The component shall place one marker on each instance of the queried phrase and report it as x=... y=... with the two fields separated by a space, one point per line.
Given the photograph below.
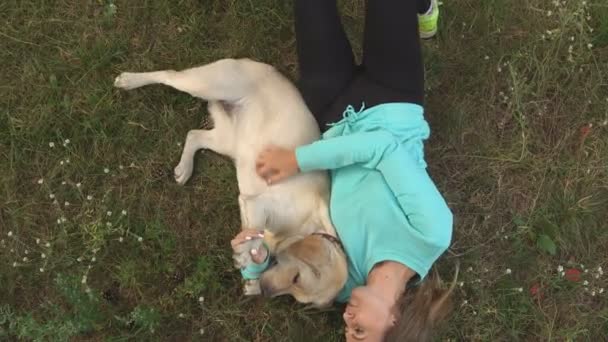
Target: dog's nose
x=266 y=290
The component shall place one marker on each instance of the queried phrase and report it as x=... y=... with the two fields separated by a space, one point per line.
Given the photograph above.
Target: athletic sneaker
x=427 y=23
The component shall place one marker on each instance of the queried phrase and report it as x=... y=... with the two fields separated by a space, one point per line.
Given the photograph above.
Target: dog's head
x=313 y=270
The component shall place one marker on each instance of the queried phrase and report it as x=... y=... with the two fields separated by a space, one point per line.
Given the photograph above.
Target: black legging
x=391 y=71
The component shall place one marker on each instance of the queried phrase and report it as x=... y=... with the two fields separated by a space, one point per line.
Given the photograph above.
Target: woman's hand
x=275 y=164
x=257 y=255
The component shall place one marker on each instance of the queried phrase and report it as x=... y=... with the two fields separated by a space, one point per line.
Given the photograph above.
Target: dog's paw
x=128 y=81
x=241 y=260
x=252 y=287
x=182 y=172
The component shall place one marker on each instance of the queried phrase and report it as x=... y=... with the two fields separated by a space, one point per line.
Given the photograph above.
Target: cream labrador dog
x=253 y=106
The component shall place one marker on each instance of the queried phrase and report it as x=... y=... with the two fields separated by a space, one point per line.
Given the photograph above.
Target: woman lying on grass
x=393 y=222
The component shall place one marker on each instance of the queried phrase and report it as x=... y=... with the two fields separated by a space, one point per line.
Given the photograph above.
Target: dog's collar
x=331 y=238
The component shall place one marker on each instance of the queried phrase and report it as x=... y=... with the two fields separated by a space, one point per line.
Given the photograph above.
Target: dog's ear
x=311 y=250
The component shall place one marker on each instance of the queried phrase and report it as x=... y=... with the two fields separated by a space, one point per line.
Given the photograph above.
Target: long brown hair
x=421 y=308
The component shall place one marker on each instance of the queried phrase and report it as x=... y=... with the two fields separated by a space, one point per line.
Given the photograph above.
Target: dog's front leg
x=253 y=216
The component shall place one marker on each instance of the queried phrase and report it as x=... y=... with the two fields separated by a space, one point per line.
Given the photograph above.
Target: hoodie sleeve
x=333 y=153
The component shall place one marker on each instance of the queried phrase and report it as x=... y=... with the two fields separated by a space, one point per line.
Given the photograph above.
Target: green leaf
x=518 y=221
x=545 y=243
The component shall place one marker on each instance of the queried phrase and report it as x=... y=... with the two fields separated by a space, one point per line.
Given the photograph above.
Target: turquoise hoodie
x=383 y=203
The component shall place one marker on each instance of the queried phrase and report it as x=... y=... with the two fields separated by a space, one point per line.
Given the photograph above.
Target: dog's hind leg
x=227 y=79
x=220 y=139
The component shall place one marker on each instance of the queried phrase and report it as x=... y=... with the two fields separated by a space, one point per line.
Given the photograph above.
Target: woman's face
x=367 y=316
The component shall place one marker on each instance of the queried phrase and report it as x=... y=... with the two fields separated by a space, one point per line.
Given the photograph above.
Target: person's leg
x=325 y=57
x=391 y=48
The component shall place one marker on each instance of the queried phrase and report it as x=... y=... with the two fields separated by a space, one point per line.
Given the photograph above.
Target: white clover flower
x=41 y=270
x=499 y=69
x=84 y=279
x=66 y=203
x=549 y=13
x=51 y=144
x=121 y=167
x=120 y=239
x=10 y=233
x=589 y=46
x=63 y=219
x=560 y=268
x=58 y=221
x=40 y=181
x=181 y=315
x=106 y=170
x=108 y=224
x=132 y=165
x=37 y=241
x=465 y=302
x=486 y=57
x=61 y=162
x=78 y=185
x=140 y=239
x=599 y=270
x=93 y=259
x=123 y=212
x=26 y=252
x=67 y=161
x=109 y=213
x=48 y=244
x=52 y=196
x=64 y=183
x=25 y=259
x=520 y=289
x=601 y=290
x=461 y=284
x=562 y=273
x=470 y=269
x=201 y=299
x=66 y=141
x=508 y=271
x=593 y=293
x=572 y=38
x=89 y=197
x=202 y=331
x=14 y=264
x=43 y=256
x=79 y=259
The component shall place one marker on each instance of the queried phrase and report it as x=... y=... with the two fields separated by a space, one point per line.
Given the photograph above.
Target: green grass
x=507 y=102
